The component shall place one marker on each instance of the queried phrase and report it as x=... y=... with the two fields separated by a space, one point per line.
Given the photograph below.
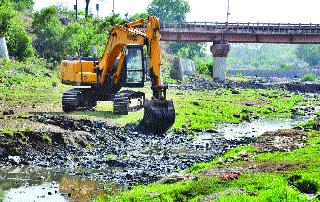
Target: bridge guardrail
x=284 y=28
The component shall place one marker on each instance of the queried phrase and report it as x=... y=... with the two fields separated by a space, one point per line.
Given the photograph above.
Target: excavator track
x=78 y=99
x=123 y=102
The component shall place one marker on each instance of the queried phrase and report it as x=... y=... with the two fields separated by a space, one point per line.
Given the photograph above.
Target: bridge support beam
x=219 y=52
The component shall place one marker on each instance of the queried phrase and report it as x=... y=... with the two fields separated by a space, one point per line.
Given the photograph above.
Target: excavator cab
x=134 y=67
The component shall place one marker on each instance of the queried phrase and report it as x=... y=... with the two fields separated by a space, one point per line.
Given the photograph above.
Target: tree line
x=54 y=33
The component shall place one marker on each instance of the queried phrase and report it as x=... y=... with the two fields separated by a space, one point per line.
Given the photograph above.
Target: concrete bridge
x=221 y=34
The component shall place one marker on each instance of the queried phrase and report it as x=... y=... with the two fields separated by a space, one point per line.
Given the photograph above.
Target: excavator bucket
x=159 y=116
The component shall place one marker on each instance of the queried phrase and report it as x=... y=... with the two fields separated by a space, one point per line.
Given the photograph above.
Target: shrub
x=309 y=77
x=33 y=66
x=285 y=66
x=47 y=139
x=6 y=15
x=204 y=67
x=19 y=42
x=239 y=74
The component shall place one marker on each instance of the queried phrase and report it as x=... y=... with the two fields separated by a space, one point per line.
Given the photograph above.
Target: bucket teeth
x=158 y=117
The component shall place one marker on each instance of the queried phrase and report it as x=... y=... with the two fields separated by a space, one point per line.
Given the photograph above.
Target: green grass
x=309 y=77
x=29 y=82
x=206 y=109
x=169 y=80
x=265 y=185
x=1 y=195
x=198 y=167
x=239 y=75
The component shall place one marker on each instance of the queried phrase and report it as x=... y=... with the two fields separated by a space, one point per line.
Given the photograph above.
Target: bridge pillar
x=219 y=52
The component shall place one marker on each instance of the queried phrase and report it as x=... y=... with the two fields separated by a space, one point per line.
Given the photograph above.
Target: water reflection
x=24 y=184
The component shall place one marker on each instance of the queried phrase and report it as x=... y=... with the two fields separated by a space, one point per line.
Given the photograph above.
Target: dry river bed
x=77 y=159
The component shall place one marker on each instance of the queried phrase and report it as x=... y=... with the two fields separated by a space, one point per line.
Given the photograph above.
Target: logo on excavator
x=132 y=37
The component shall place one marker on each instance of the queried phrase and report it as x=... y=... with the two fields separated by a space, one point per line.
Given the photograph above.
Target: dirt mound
x=281 y=140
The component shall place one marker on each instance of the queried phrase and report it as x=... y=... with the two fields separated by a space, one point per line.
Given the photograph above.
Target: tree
x=176 y=11
x=49 y=32
x=23 y=5
x=137 y=16
x=169 y=10
x=6 y=15
x=309 y=53
x=87 y=8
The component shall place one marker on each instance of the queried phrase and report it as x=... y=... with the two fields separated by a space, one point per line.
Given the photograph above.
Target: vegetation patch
x=223 y=106
x=309 y=77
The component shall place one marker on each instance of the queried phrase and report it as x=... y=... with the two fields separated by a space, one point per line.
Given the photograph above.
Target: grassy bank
x=271 y=176
x=30 y=83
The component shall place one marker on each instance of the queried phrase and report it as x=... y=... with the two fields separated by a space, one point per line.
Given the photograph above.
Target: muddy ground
x=128 y=155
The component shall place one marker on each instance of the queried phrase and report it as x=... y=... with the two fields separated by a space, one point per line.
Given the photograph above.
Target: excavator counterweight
x=122 y=65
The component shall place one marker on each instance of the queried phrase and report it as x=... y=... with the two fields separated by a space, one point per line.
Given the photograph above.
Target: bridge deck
x=241 y=32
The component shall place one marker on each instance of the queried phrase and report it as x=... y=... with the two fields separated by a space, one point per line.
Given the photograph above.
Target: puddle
x=257 y=127
x=24 y=184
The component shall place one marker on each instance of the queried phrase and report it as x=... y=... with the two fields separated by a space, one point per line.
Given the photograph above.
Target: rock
x=234 y=91
x=249 y=104
x=229 y=176
x=237 y=115
x=49 y=193
x=272 y=109
x=47 y=75
x=212 y=131
x=154 y=194
x=8 y=112
x=176 y=178
x=297 y=128
x=196 y=103
x=246 y=118
x=15 y=160
x=243 y=153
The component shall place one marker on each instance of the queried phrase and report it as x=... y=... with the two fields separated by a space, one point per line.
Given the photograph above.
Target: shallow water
x=24 y=184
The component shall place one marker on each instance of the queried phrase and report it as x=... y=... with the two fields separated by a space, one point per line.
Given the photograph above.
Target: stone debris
x=281 y=140
x=177 y=178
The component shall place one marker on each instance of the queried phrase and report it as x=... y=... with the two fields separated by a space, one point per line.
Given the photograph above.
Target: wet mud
x=128 y=155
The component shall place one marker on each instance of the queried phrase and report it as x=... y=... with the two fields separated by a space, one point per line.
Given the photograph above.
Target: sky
x=273 y=11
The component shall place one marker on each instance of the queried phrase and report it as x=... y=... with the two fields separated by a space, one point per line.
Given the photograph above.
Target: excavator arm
x=123 y=35
x=159 y=113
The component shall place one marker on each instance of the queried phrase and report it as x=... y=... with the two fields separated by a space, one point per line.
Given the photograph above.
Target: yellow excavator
x=123 y=64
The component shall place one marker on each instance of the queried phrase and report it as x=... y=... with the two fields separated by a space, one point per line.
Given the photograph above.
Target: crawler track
x=122 y=102
x=78 y=99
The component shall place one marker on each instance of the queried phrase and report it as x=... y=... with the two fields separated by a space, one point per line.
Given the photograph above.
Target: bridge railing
x=284 y=28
